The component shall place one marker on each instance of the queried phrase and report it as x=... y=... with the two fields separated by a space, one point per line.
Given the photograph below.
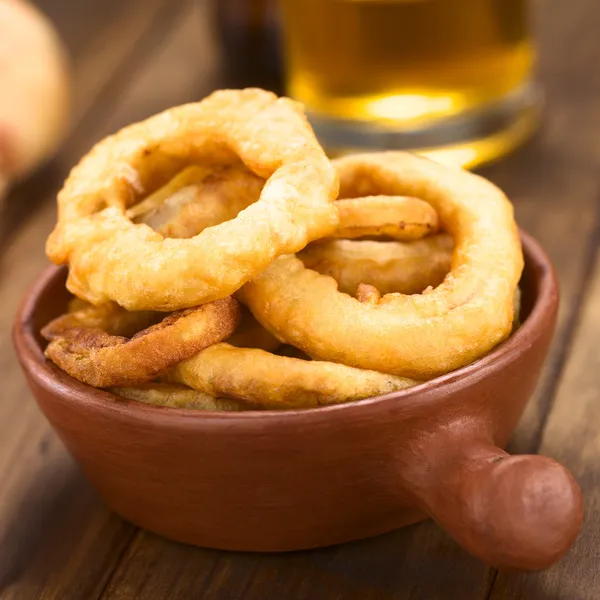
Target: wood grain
x=183 y=68
x=571 y=436
x=415 y=562
x=100 y=35
x=553 y=181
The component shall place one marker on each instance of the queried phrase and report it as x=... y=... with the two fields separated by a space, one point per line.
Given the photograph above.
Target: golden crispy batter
x=396 y=217
x=176 y=396
x=244 y=369
x=265 y=380
x=111 y=258
x=367 y=293
x=418 y=336
x=405 y=267
x=97 y=358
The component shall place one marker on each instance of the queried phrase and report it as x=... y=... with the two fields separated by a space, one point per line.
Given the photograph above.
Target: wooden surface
x=57 y=540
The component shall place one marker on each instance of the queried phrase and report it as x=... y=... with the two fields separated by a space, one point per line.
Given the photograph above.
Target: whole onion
x=34 y=90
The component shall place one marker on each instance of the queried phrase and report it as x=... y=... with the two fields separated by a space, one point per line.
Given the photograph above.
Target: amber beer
x=437 y=75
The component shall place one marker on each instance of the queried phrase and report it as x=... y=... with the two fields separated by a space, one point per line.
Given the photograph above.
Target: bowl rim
x=420 y=396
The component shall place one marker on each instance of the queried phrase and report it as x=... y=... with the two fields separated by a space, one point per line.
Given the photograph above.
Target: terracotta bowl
x=276 y=481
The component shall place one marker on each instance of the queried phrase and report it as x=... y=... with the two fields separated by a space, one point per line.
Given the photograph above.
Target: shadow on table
x=24 y=198
x=56 y=533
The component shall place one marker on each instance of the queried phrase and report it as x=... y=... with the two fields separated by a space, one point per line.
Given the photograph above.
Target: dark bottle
x=247 y=31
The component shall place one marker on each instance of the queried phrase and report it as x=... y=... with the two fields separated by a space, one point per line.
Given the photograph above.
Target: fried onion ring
x=419 y=336
x=399 y=218
x=176 y=396
x=264 y=380
x=111 y=258
x=100 y=359
x=195 y=199
x=407 y=268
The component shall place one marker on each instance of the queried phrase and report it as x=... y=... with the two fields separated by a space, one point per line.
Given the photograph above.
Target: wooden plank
x=56 y=538
x=415 y=562
x=184 y=69
x=571 y=436
x=553 y=181
x=539 y=183
x=568 y=227
x=99 y=35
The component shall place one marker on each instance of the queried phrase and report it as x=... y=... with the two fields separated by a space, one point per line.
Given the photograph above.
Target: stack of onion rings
x=396 y=282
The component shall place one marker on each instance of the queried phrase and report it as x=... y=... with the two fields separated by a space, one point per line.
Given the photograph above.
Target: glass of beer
x=450 y=79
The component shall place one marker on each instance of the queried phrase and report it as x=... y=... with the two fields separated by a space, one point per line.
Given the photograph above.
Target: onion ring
x=111 y=258
x=97 y=358
x=400 y=218
x=176 y=396
x=264 y=380
x=407 y=268
x=471 y=311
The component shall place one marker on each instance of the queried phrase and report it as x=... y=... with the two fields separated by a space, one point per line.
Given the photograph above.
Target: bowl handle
x=515 y=512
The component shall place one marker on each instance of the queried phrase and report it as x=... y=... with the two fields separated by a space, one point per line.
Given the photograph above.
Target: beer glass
x=450 y=79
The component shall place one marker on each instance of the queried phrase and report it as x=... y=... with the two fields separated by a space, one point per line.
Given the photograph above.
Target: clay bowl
x=277 y=481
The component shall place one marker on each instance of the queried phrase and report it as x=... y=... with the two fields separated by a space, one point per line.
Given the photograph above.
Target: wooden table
x=58 y=541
